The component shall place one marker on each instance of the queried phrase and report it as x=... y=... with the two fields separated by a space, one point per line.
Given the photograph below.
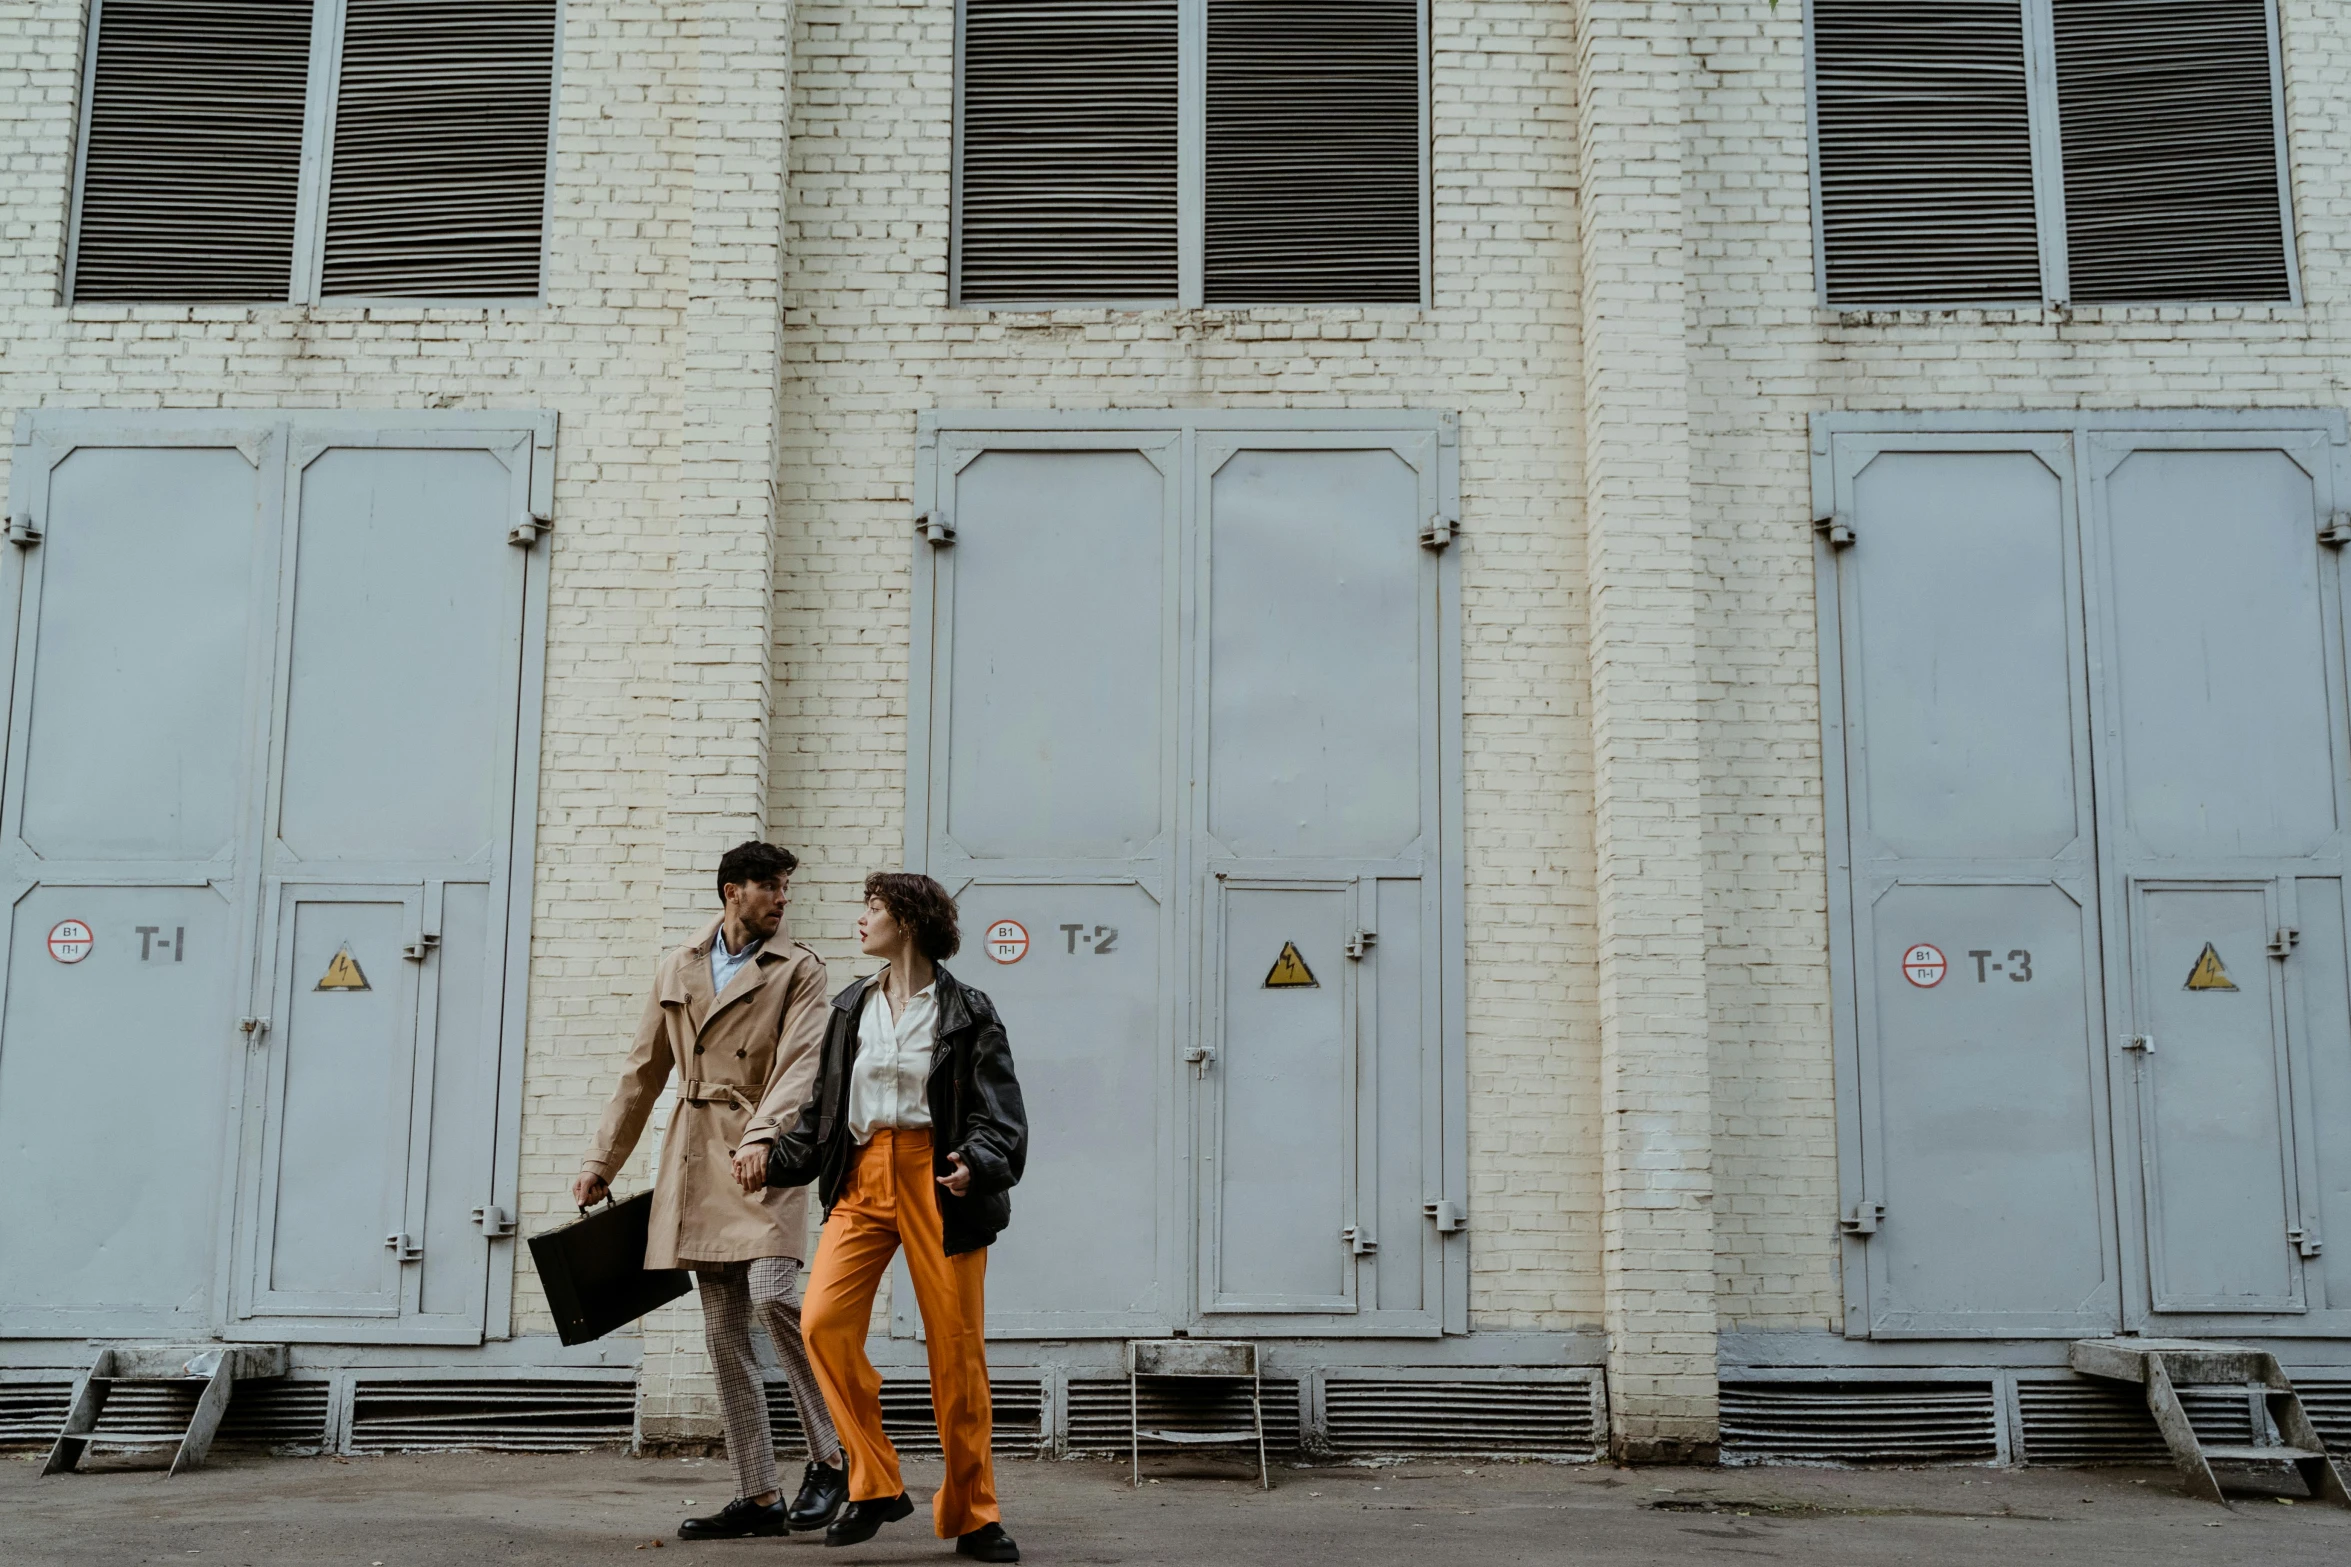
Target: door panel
x=2215 y=1128
x=459 y=1071
x=2321 y=972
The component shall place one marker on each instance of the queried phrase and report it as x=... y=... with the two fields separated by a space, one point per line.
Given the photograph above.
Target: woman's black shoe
x=739 y=1518
x=861 y=1521
x=823 y=1488
x=988 y=1543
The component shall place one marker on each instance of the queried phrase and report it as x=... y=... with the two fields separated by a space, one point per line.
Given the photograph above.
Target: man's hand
x=588 y=1187
x=751 y=1166
x=959 y=1180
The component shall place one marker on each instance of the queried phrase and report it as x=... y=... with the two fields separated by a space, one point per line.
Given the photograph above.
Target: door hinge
x=405 y=1247
x=1839 y=534
x=936 y=526
x=2282 y=940
x=1436 y=533
x=1864 y=1219
x=253 y=1028
x=1450 y=1219
x=2304 y=1242
x=1360 y=942
x=2337 y=531
x=2144 y=1043
x=495 y=1221
x=1359 y=1240
x=22 y=532
x=534 y=525
x=421 y=948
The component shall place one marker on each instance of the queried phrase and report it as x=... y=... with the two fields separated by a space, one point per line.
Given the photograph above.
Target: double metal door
x=2086 y=684
x=269 y=708
x=1178 y=744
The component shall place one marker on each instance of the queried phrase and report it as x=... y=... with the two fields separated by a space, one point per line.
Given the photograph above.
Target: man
x=916 y=1135
x=739 y=1014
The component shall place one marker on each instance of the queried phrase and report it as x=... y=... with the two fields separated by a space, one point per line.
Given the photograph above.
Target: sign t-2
x=1100 y=939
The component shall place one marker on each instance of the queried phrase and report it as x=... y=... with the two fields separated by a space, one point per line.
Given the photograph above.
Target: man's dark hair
x=754 y=861
x=922 y=907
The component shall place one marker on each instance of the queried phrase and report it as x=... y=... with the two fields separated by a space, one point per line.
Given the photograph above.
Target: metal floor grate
x=283 y=1416
x=2088 y=1421
x=1383 y=1417
x=1859 y=1422
x=521 y=1416
x=1099 y=1423
x=1017 y=1405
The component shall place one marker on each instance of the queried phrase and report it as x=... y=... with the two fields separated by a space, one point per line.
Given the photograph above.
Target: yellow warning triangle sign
x=2208 y=973
x=1289 y=970
x=343 y=973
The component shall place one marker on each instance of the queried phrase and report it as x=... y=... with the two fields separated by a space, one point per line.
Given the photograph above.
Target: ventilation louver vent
x=193 y=156
x=515 y=1416
x=439 y=187
x=2329 y=1406
x=1098 y=1417
x=32 y=1413
x=1313 y=157
x=1926 y=156
x=1858 y=1422
x=1066 y=170
x=2086 y=1421
x=1381 y=1418
x=2171 y=158
x=1017 y=1406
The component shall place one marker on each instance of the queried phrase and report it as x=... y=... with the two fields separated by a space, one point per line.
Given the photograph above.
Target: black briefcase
x=593 y=1270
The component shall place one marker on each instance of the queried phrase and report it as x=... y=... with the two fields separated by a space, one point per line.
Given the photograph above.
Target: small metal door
x=140 y=583
x=1318 y=751
x=1050 y=695
x=1980 y=1201
x=393 y=773
x=2223 y=760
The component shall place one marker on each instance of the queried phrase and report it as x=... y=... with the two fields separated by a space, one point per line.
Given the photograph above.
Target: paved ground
x=605 y=1508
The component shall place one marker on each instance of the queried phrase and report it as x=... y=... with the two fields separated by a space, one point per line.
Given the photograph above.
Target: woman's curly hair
x=923 y=908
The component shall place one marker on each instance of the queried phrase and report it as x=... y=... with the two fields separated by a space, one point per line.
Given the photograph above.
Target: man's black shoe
x=823 y=1488
x=740 y=1518
x=861 y=1521
x=988 y=1543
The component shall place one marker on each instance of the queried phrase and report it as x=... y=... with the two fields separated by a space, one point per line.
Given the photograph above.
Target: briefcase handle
x=610 y=1201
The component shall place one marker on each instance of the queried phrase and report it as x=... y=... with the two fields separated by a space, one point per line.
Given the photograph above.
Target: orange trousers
x=889 y=1203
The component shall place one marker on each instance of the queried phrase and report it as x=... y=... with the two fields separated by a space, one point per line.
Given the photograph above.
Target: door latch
x=2281 y=941
x=422 y=947
x=2337 y=531
x=405 y=1247
x=1200 y=1058
x=2143 y=1043
x=1835 y=530
x=495 y=1221
x=1360 y=942
x=1864 y=1219
x=1450 y=1219
x=253 y=1028
x=2304 y=1242
x=1359 y=1240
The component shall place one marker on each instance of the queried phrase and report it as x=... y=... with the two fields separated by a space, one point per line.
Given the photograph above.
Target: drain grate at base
x=2088 y=1421
x=1859 y=1422
x=1401 y=1417
x=517 y=1416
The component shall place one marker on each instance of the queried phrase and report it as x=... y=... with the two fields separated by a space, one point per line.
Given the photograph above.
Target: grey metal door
x=1180 y=693
x=1318 y=749
x=2223 y=764
x=390 y=815
x=1050 y=693
x=1981 y=1201
x=141 y=588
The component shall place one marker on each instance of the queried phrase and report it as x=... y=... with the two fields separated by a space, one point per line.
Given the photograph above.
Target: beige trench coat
x=747 y=1060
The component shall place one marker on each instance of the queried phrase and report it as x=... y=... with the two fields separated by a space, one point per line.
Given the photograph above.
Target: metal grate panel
x=1066 y=169
x=1098 y=1417
x=439 y=184
x=2171 y=156
x=193 y=156
x=2329 y=1407
x=1313 y=157
x=1926 y=158
x=2087 y=1421
x=1382 y=1417
x=510 y=1416
x=1859 y=1422
x=279 y=1415
x=32 y=1413
x=1016 y=1403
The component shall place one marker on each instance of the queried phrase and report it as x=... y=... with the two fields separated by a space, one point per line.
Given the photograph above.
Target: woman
x=915 y=1138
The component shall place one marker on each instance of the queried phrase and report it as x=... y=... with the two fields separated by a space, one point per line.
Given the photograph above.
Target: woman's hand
x=589 y=1188
x=959 y=1181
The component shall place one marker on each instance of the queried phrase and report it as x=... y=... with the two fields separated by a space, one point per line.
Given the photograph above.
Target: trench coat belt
x=694 y=1091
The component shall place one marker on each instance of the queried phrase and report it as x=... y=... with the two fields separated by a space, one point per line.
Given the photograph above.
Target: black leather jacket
x=975 y=1111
